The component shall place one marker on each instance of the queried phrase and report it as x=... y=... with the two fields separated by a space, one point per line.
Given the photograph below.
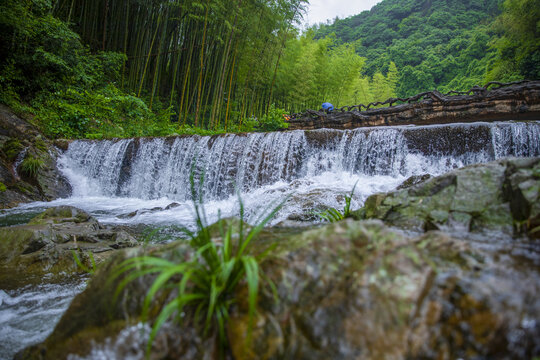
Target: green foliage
x=80 y=264
x=12 y=148
x=274 y=119
x=213 y=62
x=42 y=54
x=438 y=44
x=71 y=91
x=2 y=187
x=333 y=215
x=107 y=112
x=31 y=165
x=315 y=71
x=39 y=144
x=81 y=80
x=518 y=42
x=187 y=129
x=207 y=283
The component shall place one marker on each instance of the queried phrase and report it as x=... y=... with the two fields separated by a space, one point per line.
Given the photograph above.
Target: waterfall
x=153 y=168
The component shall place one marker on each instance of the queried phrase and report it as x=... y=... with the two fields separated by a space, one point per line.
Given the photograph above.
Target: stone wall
x=515 y=101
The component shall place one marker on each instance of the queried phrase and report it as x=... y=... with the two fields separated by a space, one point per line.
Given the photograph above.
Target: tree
x=518 y=45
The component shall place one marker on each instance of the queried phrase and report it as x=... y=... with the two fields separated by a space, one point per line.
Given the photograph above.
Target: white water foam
x=132 y=181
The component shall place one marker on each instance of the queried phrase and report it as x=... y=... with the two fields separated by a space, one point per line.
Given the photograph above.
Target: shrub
x=102 y=113
x=273 y=120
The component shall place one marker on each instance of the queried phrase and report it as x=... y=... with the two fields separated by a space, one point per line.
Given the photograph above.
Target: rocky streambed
x=444 y=269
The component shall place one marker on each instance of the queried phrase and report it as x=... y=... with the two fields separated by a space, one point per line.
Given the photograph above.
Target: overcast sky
x=322 y=10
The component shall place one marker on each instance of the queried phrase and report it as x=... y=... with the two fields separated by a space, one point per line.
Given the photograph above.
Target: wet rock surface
x=42 y=249
x=361 y=290
x=413 y=180
x=500 y=196
x=28 y=163
x=148 y=211
x=353 y=289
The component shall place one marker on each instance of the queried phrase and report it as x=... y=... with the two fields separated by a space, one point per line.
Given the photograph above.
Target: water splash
x=18 y=161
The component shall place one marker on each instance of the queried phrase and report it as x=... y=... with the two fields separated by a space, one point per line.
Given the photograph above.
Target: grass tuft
x=333 y=215
x=31 y=165
x=208 y=282
x=82 y=266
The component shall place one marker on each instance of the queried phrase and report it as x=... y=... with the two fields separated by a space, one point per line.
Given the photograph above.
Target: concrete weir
x=513 y=101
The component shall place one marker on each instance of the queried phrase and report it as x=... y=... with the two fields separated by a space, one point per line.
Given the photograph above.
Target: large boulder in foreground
x=349 y=290
x=502 y=196
x=43 y=249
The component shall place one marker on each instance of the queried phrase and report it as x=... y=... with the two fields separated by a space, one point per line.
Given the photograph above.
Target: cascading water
x=153 y=172
x=142 y=177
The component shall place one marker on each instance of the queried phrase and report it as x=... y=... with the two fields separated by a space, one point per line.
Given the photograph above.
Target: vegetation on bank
x=83 y=84
x=95 y=69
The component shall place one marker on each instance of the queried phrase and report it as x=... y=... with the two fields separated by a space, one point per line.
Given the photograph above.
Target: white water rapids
x=132 y=181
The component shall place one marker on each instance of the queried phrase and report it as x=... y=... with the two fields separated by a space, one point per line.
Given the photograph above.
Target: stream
x=146 y=181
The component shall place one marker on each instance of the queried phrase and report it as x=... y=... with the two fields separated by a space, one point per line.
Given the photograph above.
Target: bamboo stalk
x=148 y=58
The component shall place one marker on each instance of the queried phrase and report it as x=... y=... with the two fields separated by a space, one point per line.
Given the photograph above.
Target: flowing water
x=147 y=181
x=28 y=315
x=133 y=181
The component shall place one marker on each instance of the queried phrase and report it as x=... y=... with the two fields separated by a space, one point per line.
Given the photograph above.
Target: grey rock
x=497 y=196
x=44 y=246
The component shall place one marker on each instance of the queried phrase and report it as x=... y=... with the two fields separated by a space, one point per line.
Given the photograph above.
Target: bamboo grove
x=121 y=68
x=213 y=62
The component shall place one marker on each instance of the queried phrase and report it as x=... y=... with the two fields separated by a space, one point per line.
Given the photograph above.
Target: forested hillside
x=124 y=68
x=108 y=68
x=445 y=44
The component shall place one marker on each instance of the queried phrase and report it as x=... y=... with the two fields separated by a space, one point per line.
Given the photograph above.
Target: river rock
x=349 y=290
x=499 y=196
x=43 y=247
x=413 y=180
x=148 y=211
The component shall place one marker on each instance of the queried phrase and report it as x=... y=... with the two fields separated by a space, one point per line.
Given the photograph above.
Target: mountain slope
x=434 y=43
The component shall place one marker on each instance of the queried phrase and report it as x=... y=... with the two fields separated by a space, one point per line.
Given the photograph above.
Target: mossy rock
x=352 y=289
x=37 y=178
x=479 y=198
x=12 y=148
x=60 y=214
x=44 y=247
